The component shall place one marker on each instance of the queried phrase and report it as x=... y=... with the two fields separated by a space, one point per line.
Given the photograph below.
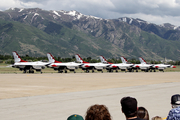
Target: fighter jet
x=122 y=66
x=143 y=66
x=26 y=66
x=90 y=66
x=56 y=65
x=159 y=67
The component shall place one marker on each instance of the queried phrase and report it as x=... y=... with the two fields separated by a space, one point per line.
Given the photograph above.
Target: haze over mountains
x=65 y=33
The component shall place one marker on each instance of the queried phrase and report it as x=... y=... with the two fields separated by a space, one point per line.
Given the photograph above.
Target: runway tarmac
x=56 y=96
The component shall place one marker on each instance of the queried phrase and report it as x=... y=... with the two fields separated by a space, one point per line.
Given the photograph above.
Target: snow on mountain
x=25 y=17
x=12 y=8
x=35 y=14
x=78 y=15
x=20 y=10
x=130 y=21
x=89 y=16
x=169 y=26
x=57 y=13
x=124 y=19
x=133 y=21
x=72 y=13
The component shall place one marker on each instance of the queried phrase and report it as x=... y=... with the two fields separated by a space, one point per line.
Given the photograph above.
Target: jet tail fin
x=17 y=57
x=51 y=58
x=103 y=60
x=142 y=60
x=79 y=59
x=124 y=60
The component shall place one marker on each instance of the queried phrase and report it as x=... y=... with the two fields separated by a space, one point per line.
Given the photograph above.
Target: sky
x=153 y=11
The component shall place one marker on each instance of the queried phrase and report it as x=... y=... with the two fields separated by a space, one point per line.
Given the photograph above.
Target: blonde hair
x=157 y=118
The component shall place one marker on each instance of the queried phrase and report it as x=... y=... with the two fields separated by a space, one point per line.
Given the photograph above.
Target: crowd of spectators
x=130 y=109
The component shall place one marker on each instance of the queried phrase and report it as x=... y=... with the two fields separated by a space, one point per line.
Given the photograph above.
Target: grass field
x=6 y=68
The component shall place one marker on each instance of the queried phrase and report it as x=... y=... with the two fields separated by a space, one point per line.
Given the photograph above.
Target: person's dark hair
x=142 y=113
x=129 y=106
x=97 y=112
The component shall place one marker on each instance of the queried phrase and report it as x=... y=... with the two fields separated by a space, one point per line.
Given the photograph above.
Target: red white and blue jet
x=27 y=66
x=56 y=65
x=155 y=67
x=117 y=66
x=90 y=66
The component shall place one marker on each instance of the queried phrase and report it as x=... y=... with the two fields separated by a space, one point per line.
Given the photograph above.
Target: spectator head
x=75 y=117
x=142 y=113
x=157 y=118
x=175 y=100
x=129 y=106
x=98 y=112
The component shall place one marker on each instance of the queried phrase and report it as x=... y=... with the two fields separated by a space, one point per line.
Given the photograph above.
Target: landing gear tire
x=31 y=71
x=60 y=71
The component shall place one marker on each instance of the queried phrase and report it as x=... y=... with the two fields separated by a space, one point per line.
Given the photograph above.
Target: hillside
x=36 y=32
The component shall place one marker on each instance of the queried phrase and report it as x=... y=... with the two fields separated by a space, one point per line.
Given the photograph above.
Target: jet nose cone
x=54 y=65
x=156 y=66
x=87 y=66
x=137 y=66
x=114 y=66
x=174 y=67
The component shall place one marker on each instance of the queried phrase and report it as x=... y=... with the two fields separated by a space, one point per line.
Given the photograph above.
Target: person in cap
x=75 y=117
x=174 y=113
x=97 y=112
x=129 y=108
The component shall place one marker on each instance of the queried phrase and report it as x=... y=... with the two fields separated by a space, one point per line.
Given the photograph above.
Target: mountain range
x=35 y=32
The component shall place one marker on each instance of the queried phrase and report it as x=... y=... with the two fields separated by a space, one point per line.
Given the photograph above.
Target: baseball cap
x=175 y=99
x=75 y=117
x=129 y=105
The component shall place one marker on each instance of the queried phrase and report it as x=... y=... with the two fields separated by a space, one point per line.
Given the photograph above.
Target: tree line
x=8 y=59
